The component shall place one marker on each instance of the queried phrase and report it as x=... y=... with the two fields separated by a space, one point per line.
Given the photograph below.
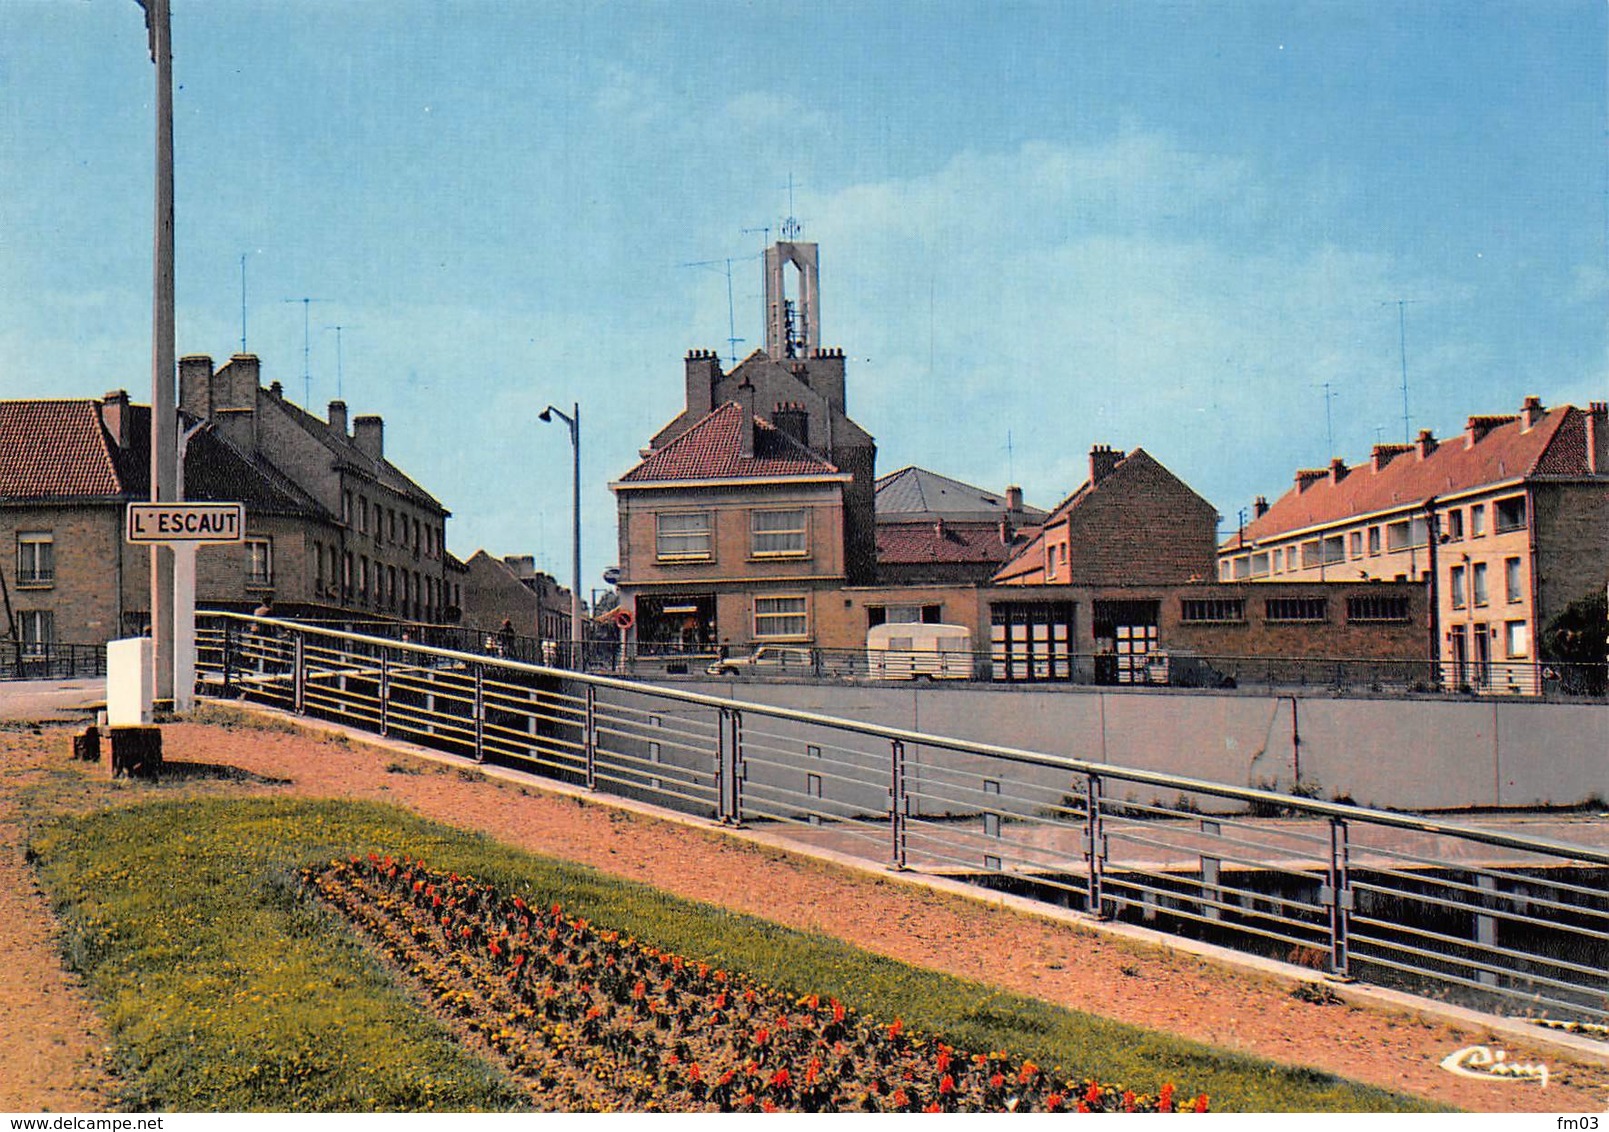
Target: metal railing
x=1474 y=915
x=51 y=661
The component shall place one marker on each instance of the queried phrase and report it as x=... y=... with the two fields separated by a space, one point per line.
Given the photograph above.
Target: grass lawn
x=226 y=988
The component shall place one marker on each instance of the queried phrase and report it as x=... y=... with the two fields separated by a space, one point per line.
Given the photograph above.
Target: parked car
x=767 y=660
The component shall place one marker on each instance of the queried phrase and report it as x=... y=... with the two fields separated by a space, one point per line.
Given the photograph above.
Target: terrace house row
x=1505 y=525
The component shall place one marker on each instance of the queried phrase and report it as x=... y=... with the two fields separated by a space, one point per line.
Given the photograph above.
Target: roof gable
x=713 y=449
x=915 y=493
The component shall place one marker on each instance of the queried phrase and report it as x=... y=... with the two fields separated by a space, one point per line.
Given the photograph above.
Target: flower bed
x=592 y=1020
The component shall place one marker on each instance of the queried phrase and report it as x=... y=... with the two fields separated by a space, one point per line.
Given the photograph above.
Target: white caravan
x=908 y=650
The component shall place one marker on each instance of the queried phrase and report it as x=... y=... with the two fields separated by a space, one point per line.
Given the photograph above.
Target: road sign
x=611 y=575
x=186 y=522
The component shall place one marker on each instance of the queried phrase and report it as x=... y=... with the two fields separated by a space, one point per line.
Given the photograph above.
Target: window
x=1455 y=586
x=1509 y=514
x=1334 y=550
x=363 y=577
x=1516 y=640
x=1213 y=609
x=1310 y=554
x=1259 y=565
x=780 y=617
x=1478 y=584
x=904 y=615
x=1397 y=536
x=1511 y=581
x=346 y=508
x=1455 y=524
x=1377 y=608
x=1477 y=520
x=1242 y=568
x=318 y=569
x=391 y=518
x=1297 y=609
x=346 y=575
x=38 y=629
x=778 y=534
x=391 y=587
x=363 y=514
x=36 y=558
x=1356 y=544
x=684 y=536
x=1374 y=541
x=259 y=562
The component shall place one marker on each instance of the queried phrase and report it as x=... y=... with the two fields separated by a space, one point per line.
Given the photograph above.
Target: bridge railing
x=1476 y=915
x=50 y=660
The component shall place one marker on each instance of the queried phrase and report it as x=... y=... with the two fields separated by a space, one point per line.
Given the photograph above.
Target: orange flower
x=895 y=1028
x=1164 y=1100
x=946 y=1085
x=1053 y=1102
x=1201 y=1103
x=900 y=1099
x=1093 y=1094
x=781 y=1079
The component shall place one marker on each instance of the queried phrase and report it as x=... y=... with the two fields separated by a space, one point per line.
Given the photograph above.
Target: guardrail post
x=899 y=803
x=1211 y=875
x=740 y=768
x=1094 y=847
x=480 y=713
x=589 y=738
x=1338 y=895
x=1486 y=928
x=228 y=654
x=385 y=691
x=299 y=677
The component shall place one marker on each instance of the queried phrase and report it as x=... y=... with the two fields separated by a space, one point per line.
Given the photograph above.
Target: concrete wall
x=1399 y=754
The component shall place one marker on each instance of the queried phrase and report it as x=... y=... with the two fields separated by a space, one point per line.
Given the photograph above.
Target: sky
x=1224 y=232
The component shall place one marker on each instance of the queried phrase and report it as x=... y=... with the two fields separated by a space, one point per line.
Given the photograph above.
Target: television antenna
x=307 y=349
x=339 y=396
x=1402 y=347
x=731 y=316
x=1329 y=427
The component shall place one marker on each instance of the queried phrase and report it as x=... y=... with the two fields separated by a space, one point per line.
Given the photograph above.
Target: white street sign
x=186 y=522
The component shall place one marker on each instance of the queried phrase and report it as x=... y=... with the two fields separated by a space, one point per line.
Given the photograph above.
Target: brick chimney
x=745 y=427
x=1307 y=477
x=195 y=385
x=235 y=385
x=1476 y=428
x=1013 y=500
x=338 y=418
x=115 y=416
x=1598 y=438
x=703 y=371
x=1426 y=444
x=368 y=433
x=1259 y=507
x=523 y=565
x=1531 y=412
x=792 y=420
x=1338 y=470
x=1102 y=460
x=1383 y=454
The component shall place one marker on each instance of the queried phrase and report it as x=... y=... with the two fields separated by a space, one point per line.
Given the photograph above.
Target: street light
x=574 y=421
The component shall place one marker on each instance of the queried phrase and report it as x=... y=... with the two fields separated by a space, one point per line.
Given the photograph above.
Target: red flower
x=942 y=1062
x=762 y=1035
x=1093 y=1094
x=694 y=1072
x=895 y=1028
x=933 y=1108
x=900 y=1099
x=781 y=1079
x=1201 y=1103
x=946 y=1085
x=837 y=1011
x=996 y=1080
x=1128 y=1100
x=640 y=990
x=1027 y=1073
x=767 y=1106
x=1053 y=1102
x=1164 y=1100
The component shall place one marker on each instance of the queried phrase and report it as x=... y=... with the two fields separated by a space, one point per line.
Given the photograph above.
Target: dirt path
x=1063 y=963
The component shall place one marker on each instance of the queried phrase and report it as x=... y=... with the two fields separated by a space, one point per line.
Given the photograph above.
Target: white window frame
x=773 y=622
x=259 y=579
x=1516 y=640
x=797 y=536
x=37 y=628
x=36 y=559
x=661 y=535
x=1479 y=589
x=1513 y=581
x=1456 y=586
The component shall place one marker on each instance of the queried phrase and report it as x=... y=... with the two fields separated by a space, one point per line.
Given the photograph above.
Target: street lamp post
x=573 y=419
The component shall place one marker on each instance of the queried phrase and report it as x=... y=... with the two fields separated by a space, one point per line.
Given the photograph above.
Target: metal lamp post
x=573 y=419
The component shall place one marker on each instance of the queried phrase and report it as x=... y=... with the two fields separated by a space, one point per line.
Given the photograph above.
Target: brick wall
x=1141 y=525
x=87 y=545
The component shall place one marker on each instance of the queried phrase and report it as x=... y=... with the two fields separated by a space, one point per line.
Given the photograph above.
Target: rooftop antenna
x=242 y=302
x=1011 y=463
x=790 y=226
x=1329 y=428
x=731 y=317
x=1402 y=347
x=307 y=349
x=339 y=395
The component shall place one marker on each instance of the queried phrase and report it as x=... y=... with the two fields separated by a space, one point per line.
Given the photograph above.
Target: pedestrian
x=505 y=638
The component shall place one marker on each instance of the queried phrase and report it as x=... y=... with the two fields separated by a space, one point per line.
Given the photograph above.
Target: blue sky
x=1042 y=225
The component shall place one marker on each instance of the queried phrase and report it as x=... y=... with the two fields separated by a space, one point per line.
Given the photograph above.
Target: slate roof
x=383 y=470
x=1555 y=445
x=914 y=493
x=712 y=449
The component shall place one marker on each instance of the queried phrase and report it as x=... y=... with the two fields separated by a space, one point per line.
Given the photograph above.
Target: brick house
x=1505 y=525
x=67 y=471
x=511 y=588
x=387 y=556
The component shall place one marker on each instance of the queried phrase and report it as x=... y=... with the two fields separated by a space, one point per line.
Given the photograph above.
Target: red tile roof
x=712 y=449
x=1555 y=444
x=905 y=543
x=54 y=449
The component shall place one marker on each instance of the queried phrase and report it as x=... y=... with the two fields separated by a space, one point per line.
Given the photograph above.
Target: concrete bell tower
x=792 y=324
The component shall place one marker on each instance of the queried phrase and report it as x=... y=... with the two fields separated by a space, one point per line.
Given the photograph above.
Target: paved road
x=50 y=700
